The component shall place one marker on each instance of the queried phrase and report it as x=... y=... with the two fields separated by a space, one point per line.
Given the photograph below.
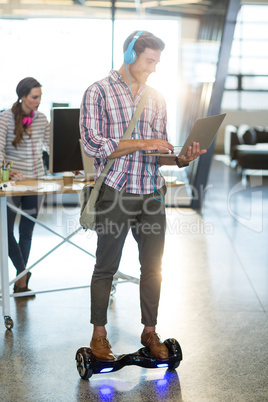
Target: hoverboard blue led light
x=106 y=370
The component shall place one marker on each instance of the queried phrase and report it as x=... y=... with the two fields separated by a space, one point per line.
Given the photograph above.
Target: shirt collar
x=116 y=76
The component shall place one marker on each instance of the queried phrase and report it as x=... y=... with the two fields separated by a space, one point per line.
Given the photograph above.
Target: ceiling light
x=99 y=3
x=47 y=12
x=177 y=2
x=47 y=2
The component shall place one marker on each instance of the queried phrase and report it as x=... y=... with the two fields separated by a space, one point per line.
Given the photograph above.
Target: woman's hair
x=147 y=39
x=24 y=87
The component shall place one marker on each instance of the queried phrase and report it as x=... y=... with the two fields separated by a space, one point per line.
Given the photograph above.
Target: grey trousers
x=117 y=212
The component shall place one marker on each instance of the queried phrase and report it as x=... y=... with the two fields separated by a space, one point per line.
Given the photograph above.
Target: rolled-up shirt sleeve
x=92 y=121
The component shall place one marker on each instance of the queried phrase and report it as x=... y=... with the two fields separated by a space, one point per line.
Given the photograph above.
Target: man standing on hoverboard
x=132 y=194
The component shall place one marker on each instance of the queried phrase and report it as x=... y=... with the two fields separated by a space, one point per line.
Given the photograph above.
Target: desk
x=35 y=187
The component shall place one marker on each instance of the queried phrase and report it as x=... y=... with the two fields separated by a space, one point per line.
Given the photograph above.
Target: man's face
x=144 y=65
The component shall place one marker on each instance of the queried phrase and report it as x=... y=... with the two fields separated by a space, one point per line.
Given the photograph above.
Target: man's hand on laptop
x=156 y=144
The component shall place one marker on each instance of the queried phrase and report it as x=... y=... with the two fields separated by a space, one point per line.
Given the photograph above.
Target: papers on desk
x=49 y=186
x=79 y=178
x=40 y=187
x=51 y=177
x=12 y=186
x=44 y=187
x=24 y=189
x=5 y=186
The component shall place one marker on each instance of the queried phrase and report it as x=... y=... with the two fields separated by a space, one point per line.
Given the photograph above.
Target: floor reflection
x=164 y=387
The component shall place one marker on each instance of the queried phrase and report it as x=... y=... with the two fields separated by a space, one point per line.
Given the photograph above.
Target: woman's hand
x=15 y=175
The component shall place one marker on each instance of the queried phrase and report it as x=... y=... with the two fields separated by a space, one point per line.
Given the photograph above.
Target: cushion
x=262 y=134
x=246 y=135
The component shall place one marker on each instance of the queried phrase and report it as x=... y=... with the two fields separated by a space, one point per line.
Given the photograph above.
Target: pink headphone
x=28 y=120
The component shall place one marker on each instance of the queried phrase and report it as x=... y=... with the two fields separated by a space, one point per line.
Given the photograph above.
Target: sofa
x=247 y=147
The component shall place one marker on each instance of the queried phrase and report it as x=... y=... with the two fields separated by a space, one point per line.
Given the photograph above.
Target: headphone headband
x=130 y=55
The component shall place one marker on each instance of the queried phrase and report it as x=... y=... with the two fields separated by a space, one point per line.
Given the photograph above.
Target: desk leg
x=5 y=299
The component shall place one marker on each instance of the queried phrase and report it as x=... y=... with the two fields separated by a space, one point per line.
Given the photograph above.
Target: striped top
x=28 y=157
x=106 y=110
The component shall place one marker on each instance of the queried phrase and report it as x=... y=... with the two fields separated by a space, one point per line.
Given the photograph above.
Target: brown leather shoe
x=101 y=349
x=157 y=348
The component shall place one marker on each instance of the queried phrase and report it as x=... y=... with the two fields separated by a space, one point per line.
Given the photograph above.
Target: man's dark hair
x=147 y=39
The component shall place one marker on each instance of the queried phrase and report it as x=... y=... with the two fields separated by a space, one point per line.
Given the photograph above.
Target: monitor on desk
x=65 y=150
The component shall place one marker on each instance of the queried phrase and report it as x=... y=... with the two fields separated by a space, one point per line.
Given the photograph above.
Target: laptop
x=204 y=131
x=88 y=164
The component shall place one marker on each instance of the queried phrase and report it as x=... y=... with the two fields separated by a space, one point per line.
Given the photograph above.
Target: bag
x=84 y=196
x=90 y=193
x=88 y=210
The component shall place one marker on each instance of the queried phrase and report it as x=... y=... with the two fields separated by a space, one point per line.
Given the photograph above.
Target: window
x=67 y=55
x=62 y=54
x=246 y=85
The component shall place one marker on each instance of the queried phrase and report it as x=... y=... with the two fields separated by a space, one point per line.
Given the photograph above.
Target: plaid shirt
x=106 y=110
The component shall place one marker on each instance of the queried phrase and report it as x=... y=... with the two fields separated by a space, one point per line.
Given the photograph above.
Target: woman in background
x=24 y=133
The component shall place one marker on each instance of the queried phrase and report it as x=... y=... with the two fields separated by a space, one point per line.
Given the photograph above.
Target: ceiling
x=122 y=8
x=102 y=8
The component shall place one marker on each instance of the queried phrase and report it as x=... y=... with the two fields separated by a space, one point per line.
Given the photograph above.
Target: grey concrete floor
x=214 y=301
